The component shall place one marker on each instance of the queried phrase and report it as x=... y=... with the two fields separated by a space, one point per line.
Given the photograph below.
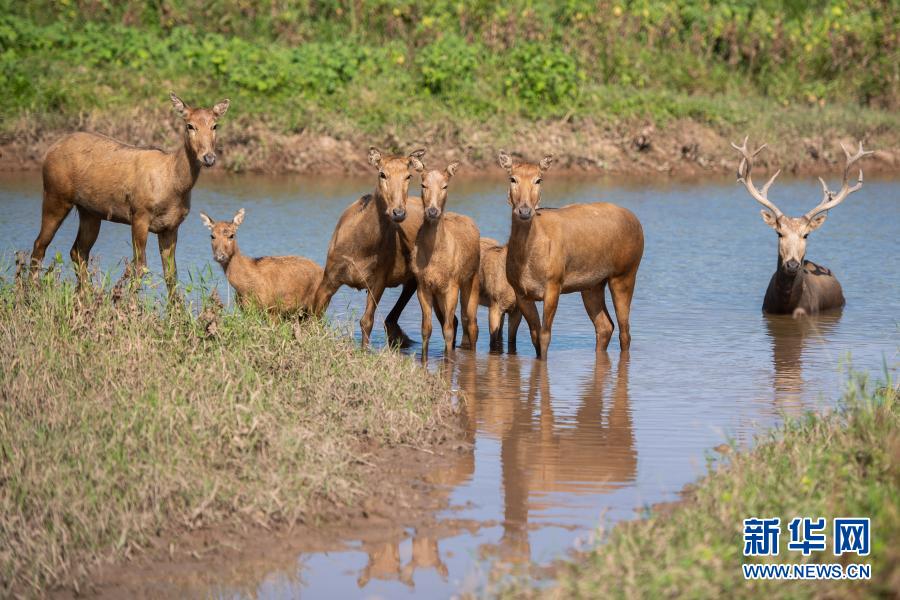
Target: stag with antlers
x=799 y=287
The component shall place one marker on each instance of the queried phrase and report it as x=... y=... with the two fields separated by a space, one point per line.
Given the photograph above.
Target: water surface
x=561 y=446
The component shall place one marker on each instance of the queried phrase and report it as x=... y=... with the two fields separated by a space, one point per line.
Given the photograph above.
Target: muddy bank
x=406 y=488
x=680 y=149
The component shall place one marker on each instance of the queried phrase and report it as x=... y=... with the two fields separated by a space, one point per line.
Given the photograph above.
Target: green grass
x=121 y=419
x=449 y=70
x=842 y=464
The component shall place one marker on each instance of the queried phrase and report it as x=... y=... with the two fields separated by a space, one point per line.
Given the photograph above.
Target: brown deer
x=277 y=284
x=366 y=252
x=146 y=188
x=798 y=287
x=576 y=248
x=445 y=260
x=496 y=294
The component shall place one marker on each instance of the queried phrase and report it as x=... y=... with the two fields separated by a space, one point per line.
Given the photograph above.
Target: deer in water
x=277 y=284
x=496 y=294
x=445 y=258
x=366 y=251
x=146 y=188
x=576 y=248
x=799 y=287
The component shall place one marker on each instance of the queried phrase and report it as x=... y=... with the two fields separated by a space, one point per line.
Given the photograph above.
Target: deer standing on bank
x=445 y=258
x=799 y=287
x=146 y=188
x=278 y=284
x=576 y=248
x=366 y=252
x=496 y=294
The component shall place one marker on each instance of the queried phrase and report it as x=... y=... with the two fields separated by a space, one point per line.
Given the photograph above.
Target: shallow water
x=581 y=440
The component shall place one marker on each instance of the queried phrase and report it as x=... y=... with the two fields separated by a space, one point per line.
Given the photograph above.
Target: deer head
x=200 y=128
x=394 y=173
x=434 y=188
x=524 y=184
x=222 y=235
x=792 y=232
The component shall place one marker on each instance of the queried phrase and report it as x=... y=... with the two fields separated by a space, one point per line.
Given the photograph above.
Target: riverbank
x=127 y=427
x=842 y=464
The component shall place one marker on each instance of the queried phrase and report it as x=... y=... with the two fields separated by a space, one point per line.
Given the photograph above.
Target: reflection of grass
x=844 y=464
x=120 y=418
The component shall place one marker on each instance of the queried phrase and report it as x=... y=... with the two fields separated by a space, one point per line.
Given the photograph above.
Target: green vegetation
x=367 y=66
x=121 y=419
x=838 y=465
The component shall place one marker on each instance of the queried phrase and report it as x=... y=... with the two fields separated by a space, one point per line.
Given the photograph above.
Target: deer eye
x=382 y=175
x=408 y=177
x=424 y=187
x=190 y=127
x=230 y=236
x=513 y=180
x=212 y=236
x=444 y=187
x=538 y=181
x=215 y=126
x=805 y=235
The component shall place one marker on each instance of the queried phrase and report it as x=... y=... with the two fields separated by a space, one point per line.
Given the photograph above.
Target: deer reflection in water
x=543 y=453
x=790 y=339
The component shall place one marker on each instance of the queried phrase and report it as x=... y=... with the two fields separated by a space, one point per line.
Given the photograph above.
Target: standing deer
x=366 y=251
x=798 y=287
x=497 y=295
x=146 y=188
x=445 y=260
x=576 y=248
x=277 y=284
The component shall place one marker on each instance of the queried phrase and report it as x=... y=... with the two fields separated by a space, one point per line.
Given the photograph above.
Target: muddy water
x=581 y=440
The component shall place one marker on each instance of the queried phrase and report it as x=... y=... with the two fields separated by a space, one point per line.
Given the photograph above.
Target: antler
x=830 y=199
x=743 y=175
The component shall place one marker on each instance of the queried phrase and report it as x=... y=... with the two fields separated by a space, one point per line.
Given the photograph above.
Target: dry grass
x=121 y=418
x=844 y=464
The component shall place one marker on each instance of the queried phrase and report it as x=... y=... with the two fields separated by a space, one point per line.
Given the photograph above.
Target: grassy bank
x=843 y=464
x=313 y=83
x=121 y=421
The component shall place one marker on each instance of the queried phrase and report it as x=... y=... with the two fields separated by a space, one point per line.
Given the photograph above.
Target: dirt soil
x=682 y=149
x=408 y=486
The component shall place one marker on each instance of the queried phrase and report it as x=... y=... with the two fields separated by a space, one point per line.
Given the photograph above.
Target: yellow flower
x=396 y=12
x=427 y=21
x=617 y=10
x=400 y=59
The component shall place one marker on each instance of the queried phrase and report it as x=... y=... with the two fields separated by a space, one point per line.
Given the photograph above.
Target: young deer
x=798 y=287
x=496 y=294
x=366 y=252
x=278 y=284
x=445 y=260
x=576 y=248
x=146 y=188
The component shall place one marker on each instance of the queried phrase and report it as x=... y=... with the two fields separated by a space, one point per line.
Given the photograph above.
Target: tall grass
x=842 y=464
x=122 y=419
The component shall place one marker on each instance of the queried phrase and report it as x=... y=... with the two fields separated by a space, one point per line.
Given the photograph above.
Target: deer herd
x=388 y=239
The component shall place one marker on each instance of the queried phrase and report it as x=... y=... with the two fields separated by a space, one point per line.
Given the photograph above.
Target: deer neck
x=186 y=168
x=786 y=284
x=236 y=266
x=520 y=232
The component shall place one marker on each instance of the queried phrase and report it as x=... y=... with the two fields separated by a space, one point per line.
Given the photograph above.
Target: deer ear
x=180 y=107
x=374 y=157
x=452 y=168
x=221 y=108
x=417 y=153
x=206 y=220
x=769 y=218
x=415 y=164
x=816 y=222
x=505 y=160
x=238 y=218
x=546 y=162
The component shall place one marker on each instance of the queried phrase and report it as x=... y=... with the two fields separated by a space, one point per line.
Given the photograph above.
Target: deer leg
x=551 y=301
x=426 y=301
x=495 y=326
x=53 y=212
x=88 y=230
x=529 y=311
x=622 y=289
x=449 y=300
x=469 y=305
x=595 y=303
x=140 y=228
x=392 y=328
x=167 y=241
x=515 y=317
x=368 y=318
